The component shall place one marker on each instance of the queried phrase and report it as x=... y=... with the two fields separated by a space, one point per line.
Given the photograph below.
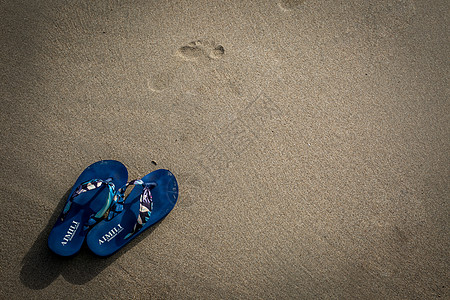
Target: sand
x=310 y=140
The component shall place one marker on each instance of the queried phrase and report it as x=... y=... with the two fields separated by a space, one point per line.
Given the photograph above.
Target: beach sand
x=310 y=141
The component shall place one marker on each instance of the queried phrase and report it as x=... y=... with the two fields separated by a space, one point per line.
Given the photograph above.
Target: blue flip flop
x=88 y=202
x=151 y=199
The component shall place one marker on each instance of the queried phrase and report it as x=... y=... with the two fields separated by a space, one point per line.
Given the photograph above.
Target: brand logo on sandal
x=70 y=232
x=111 y=234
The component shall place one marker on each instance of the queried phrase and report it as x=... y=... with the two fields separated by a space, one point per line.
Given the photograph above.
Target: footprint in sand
x=158 y=82
x=287 y=5
x=201 y=49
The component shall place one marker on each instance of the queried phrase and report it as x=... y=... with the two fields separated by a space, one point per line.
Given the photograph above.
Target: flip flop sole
x=108 y=236
x=68 y=235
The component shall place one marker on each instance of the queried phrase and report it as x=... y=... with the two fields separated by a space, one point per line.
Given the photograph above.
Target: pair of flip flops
x=98 y=211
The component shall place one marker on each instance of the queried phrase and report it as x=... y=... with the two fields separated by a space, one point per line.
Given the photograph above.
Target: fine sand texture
x=310 y=140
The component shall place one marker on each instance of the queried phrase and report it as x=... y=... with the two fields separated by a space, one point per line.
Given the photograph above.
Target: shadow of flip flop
x=40 y=266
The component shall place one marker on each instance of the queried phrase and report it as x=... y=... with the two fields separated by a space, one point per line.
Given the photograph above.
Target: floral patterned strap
x=145 y=204
x=89 y=186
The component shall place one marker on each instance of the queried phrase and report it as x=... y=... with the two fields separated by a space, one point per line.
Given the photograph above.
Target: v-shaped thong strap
x=145 y=204
x=89 y=186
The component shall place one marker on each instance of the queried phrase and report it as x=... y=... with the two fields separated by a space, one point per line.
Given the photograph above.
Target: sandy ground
x=310 y=140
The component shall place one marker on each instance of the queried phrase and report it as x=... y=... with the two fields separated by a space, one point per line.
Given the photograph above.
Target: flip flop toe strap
x=89 y=186
x=145 y=204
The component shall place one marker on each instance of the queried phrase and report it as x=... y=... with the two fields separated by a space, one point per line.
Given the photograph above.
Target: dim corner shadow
x=40 y=266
